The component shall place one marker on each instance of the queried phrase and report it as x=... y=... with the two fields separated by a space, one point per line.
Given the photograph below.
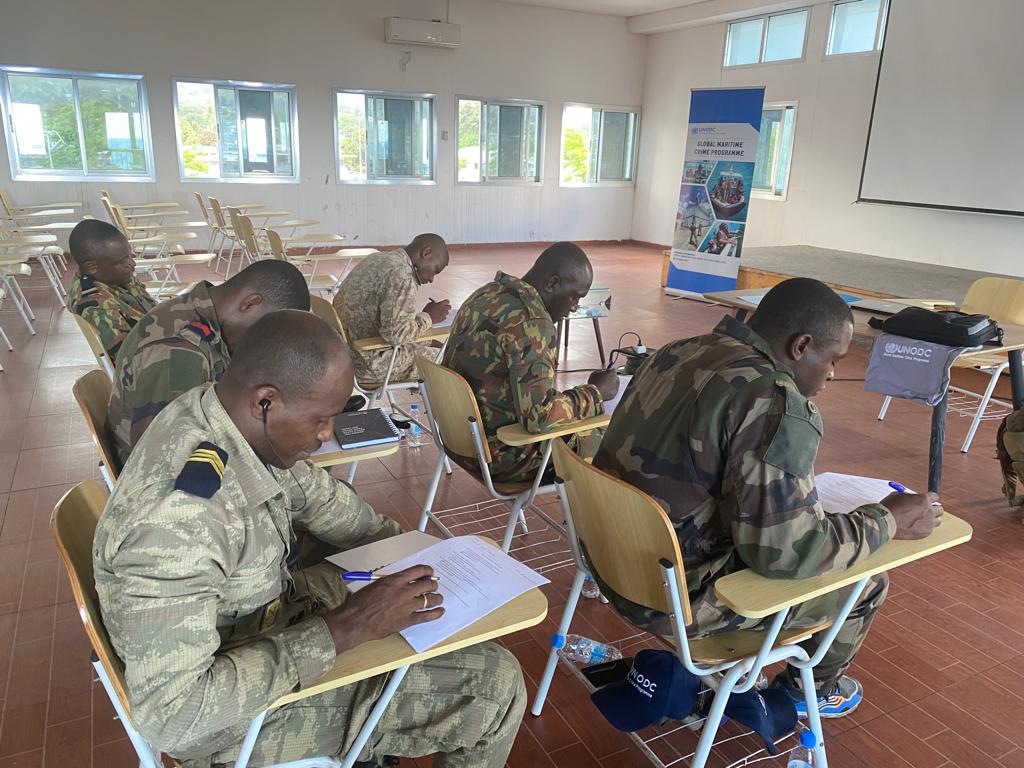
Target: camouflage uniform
x=503 y=343
x=112 y=309
x=378 y=298
x=174 y=348
x=715 y=429
x=212 y=627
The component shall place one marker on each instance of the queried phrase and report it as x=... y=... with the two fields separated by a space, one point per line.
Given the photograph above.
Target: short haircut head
x=565 y=259
x=289 y=349
x=436 y=244
x=280 y=283
x=90 y=238
x=801 y=305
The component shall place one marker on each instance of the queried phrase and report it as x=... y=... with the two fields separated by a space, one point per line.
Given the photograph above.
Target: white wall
x=834 y=98
x=508 y=51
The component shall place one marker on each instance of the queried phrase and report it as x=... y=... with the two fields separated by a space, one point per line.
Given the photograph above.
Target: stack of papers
x=841 y=494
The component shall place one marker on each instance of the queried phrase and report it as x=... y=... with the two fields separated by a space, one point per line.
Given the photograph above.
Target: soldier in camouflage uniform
x=503 y=343
x=720 y=431
x=378 y=298
x=210 y=624
x=105 y=291
x=188 y=340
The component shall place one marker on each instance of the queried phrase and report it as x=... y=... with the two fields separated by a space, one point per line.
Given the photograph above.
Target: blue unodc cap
x=768 y=713
x=657 y=686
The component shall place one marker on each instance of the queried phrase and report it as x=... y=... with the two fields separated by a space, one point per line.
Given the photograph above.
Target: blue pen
x=359 y=576
x=897 y=487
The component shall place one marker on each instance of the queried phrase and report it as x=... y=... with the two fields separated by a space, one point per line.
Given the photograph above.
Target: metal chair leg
x=563 y=629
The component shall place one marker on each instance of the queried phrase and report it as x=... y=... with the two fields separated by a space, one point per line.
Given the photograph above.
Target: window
x=384 y=137
x=774 y=151
x=236 y=131
x=857 y=26
x=76 y=125
x=597 y=144
x=779 y=37
x=499 y=141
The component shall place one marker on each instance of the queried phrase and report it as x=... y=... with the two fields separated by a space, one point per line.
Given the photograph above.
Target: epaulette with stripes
x=202 y=473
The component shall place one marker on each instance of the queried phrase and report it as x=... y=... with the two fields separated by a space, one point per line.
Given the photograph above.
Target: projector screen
x=946 y=124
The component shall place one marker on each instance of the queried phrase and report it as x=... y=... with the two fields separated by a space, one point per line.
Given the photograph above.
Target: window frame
x=390 y=180
x=768 y=194
x=600 y=147
x=17 y=174
x=764 y=40
x=502 y=181
x=293 y=106
x=883 y=13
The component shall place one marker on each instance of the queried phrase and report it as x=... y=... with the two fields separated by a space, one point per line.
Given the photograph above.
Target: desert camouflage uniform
x=174 y=348
x=112 y=309
x=189 y=560
x=503 y=343
x=715 y=429
x=378 y=298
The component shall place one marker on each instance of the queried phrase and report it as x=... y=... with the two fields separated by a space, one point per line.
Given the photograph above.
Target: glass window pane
x=227 y=125
x=283 y=133
x=767 y=143
x=853 y=26
x=577 y=127
x=425 y=121
x=45 y=123
x=469 y=140
x=743 y=43
x=617 y=146
x=493 y=112
x=786 y=151
x=785 y=36
x=197 y=122
x=401 y=129
x=532 y=142
x=112 y=121
x=510 y=142
x=351 y=136
x=255 y=111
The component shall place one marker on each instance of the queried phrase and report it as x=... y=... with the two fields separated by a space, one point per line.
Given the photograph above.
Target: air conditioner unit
x=417 y=32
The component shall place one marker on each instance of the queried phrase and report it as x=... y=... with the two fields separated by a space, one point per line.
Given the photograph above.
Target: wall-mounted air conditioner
x=417 y=32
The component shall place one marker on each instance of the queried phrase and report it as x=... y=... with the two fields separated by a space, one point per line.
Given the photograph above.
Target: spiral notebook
x=364 y=428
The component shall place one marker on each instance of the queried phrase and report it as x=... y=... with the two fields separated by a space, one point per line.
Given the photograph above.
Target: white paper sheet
x=448 y=320
x=611 y=405
x=380 y=554
x=475 y=579
x=754 y=299
x=840 y=494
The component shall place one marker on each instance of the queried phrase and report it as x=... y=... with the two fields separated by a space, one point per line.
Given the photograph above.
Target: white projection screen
x=947 y=125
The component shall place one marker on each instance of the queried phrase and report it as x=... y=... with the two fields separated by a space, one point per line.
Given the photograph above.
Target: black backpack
x=954 y=329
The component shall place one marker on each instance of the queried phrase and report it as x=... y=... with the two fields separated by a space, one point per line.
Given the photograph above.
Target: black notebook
x=364 y=428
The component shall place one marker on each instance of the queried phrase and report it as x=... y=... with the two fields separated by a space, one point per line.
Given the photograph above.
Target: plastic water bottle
x=803 y=756
x=590 y=589
x=584 y=650
x=414 y=437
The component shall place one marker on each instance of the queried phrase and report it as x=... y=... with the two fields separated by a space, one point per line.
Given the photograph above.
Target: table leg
x=1016 y=377
x=600 y=341
x=558 y=341
x=566 y=323
x=938 y=438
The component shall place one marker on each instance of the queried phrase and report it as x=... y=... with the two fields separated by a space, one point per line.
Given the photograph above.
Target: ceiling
x=612 y=7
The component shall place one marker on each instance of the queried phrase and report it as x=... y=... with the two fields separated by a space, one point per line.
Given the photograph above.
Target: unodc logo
x=890 y=347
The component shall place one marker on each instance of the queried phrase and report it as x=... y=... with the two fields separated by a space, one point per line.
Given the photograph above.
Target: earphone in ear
x=264 y=404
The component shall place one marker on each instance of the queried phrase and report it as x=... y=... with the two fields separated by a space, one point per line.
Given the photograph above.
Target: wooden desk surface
x=331 y=454
x=376 y=342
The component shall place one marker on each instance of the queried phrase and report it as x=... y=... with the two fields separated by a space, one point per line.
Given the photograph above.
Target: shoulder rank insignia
x=202 y=473
x=204 y=331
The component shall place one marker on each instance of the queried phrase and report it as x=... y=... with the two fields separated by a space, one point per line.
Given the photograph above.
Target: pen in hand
x=367 y=576
x=901 y=489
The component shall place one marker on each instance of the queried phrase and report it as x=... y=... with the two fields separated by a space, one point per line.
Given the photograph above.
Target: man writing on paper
x=503 y=343
x=105 y=291
x=378 y=298
x=189 y=561
x=719 y=429
x=188 y=341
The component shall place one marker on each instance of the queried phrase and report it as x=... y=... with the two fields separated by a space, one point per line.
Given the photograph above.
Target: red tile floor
x=941 y=668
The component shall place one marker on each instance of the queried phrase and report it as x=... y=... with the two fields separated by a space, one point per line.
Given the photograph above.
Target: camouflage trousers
x=371 y=367
x=711 y=618
x=510 y=464
x=466 y=706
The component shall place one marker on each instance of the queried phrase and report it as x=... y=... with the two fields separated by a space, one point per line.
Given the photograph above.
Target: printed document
x=840 y=494
x=377 y=555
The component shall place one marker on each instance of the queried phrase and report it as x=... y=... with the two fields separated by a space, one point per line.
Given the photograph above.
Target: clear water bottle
x=803 y=756
x=584 y=650
x=414 y=437
x=590 y=589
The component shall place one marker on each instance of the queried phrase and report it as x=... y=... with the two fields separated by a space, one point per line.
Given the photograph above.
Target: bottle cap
x=557 y=641
x=808 y=739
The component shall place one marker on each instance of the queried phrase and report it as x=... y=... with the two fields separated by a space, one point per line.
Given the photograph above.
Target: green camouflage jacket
x=112 y=309
x=189 y=561
x=715 y=429
x=378 y=298
x=503 y=343
x=174 y=348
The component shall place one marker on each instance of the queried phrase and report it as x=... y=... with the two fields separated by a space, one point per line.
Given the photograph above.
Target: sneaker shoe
x=842 y=700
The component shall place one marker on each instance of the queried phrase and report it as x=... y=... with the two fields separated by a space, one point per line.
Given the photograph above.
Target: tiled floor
x=941 y=668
